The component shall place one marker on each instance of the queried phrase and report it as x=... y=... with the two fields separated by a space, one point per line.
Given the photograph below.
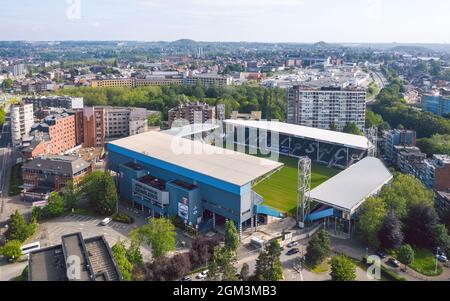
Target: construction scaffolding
x=303 y=190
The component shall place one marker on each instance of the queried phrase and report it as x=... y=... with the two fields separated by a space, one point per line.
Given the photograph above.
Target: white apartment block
x=124 y=122
x=321 y=107
x=22 y=119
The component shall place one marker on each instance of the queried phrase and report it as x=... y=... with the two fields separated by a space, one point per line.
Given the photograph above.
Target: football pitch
x=280 y=190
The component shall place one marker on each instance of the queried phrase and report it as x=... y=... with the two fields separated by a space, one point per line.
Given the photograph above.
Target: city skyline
x=350 y=21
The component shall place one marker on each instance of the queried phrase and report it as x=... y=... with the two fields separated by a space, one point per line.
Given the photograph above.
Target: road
x=379 y=80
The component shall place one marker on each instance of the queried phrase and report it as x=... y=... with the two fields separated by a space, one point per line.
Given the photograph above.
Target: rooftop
x=225 y=165
x=348 y=189
x=64 y=164
x=97 y=262
x=326 y=136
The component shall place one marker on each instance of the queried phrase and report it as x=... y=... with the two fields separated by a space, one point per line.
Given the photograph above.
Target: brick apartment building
x=195 y=112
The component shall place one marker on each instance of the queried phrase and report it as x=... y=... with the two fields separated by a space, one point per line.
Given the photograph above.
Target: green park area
x=280 y=190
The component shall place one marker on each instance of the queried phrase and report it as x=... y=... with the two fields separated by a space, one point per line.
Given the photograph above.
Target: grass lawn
x=16 y=180
x=425 y=263
x=322 y=268
x=280 y=190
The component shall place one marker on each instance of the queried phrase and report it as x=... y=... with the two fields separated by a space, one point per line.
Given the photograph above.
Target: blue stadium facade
x=163 y=189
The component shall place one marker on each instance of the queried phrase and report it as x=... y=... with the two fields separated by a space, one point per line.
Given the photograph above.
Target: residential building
x=103 y=123
x=254 y=115
x=436 y=173
x=397 y=137
x=55 y=135
x=442 y=200
x=192 y=113
x=17 y=70
x=22 y=119
x=48 y=173
x=323 y=107
x=96 y=262
x=64 y=102
x=208 y=80
x=407 y=159
x=436 y=104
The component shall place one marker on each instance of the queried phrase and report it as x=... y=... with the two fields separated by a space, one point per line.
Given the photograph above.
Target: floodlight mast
x=303 y=190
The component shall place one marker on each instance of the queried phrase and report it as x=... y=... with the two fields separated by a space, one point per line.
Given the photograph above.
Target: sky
x=333 y=21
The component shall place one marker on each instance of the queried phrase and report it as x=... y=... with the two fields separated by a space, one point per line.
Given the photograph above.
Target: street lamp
x=436 y=258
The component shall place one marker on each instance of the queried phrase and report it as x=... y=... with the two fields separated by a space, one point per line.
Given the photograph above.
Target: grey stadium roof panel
x=348 y=189
x=225 y=165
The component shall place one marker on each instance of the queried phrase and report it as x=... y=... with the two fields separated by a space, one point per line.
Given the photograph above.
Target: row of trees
x=272 y=102
x=403 y=212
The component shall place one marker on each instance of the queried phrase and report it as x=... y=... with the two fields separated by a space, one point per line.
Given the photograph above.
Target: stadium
x=203 y=189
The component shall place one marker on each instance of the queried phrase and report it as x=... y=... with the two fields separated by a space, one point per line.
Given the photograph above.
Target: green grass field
x=280 y=190
x=425 y=263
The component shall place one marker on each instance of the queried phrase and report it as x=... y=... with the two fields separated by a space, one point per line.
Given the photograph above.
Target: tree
x=352 y=128
x=202 y=250
x=70 y=195
x=373 y=119
x=18 y=228
x=245 y=271
x=222 y=266
x=56 y=205
x=159 y=233
x=342 y=269
x=406 y=254
x=404 y=192
x=370 y=220
x=441 y=238
x=7 y=84
x=231 y=236
x=12 y=250
x=390 y=234
x=119 y=252
x=420 y=225
x=154 y=119
x=318 y=249
x=101 y=191
x=268 y=264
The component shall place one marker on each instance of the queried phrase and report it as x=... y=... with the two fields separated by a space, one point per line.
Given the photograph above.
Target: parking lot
x=50 y=232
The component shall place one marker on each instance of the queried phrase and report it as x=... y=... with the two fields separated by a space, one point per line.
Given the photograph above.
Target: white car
x=105 y=221
x=203 y=274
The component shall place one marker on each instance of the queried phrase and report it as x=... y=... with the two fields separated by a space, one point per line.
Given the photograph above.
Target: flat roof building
x=94 y=261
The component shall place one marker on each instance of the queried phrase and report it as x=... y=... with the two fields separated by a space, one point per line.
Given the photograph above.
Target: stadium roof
x=222 y=164
x=350 y=188
x=320 y=135
x=191 y=129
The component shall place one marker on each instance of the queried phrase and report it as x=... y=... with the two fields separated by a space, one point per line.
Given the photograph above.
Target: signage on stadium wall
x=183 y=211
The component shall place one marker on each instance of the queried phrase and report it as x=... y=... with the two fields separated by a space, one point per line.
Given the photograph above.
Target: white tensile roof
x=299 y=131
x=222 y=164
x=350 y=188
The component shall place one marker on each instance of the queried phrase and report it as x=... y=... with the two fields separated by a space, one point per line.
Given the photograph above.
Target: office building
x=22 y=119
x=48 y=173
x=323 y=107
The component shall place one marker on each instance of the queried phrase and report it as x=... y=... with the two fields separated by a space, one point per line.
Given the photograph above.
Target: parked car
x=293 y=251
x=186 y=278
x=105 y=221
x=394 y=262
x=442 y=258
x=381 y=254
x=203 y=274
x=292 y=244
